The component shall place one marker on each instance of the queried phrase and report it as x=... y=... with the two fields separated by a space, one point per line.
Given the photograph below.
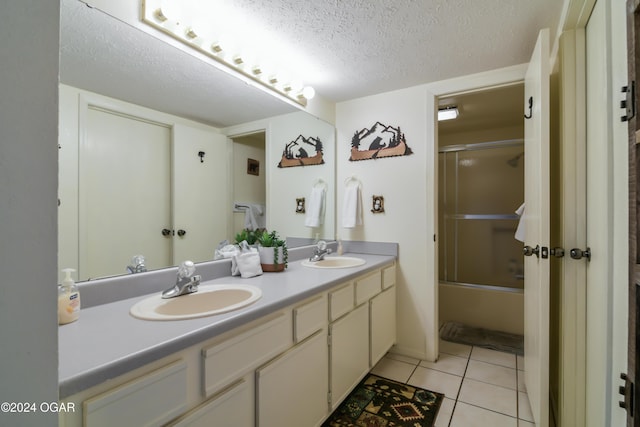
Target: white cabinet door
x=292 y=389
x=383 y=323
x=227 y=409
x=349 y=352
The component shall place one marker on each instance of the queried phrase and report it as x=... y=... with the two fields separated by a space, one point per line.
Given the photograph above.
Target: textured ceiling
x=350 y=49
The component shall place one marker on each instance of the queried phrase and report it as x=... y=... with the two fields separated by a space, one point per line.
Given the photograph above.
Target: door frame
x=471 y=83
x=589 y=393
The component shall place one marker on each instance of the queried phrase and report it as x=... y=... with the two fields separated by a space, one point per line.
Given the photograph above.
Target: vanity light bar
x=156 y=18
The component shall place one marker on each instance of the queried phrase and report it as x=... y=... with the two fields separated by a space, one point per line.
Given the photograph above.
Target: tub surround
x=107 y=341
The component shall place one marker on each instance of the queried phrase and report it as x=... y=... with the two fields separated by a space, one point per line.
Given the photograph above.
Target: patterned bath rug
x=380 y=402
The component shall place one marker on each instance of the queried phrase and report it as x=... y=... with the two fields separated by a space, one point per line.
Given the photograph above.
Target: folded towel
x=520 y=234
x=246 y=264
x=315 y=208
x=352 y=206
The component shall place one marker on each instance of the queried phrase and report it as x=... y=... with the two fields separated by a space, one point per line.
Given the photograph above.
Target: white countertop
x=107 y=341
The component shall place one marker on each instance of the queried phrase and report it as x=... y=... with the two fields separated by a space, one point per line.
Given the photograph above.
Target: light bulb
x=308 y=92
x=172 y=9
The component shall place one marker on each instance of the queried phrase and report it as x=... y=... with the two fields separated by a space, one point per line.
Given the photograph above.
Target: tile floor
x=482 y=388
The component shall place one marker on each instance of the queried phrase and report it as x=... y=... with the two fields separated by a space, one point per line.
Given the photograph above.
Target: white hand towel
x=352 y=207
x=315 y=208
x=520 y=234
x=246 y=264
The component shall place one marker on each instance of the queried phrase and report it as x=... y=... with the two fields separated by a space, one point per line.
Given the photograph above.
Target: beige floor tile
x=489 y=396
x=522 y=423
x=524 y=409
x=448 y=363
x=465 y=415
x=437 y=381
x=495 y=357
x=401 y=358
x=492 y=374
x=393 y=369
x=460 y=350
x=444 y=413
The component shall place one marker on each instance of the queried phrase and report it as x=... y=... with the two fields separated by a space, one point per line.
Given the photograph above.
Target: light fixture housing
x=448 y=113
x=159 y=15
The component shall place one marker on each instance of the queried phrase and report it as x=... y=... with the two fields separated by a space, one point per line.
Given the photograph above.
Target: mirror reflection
x=138 y=179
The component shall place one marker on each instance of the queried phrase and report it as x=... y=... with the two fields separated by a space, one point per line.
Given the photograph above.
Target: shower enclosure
x=481 y=186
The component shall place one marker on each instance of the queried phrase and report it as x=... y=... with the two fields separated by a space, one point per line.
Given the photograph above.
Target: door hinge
x=627 y=390
x=329 y=399
x=629 y=103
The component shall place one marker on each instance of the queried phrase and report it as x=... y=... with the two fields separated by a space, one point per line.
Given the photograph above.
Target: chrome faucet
x=320 y=252
x=186 y=283
x=137 y=265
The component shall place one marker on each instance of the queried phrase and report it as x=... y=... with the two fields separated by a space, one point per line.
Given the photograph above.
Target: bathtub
x=487 y=307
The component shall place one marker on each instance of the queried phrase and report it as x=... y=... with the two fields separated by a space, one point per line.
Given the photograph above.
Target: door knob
x=579 y=254
x=166 y=232
x=181 y=233
x=528 y=251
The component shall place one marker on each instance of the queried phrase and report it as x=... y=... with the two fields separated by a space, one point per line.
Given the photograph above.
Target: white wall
x=284 y=185
x=28 y=208
x=407 y=185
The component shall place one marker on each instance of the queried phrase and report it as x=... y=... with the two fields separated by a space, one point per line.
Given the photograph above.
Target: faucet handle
x=186 y=269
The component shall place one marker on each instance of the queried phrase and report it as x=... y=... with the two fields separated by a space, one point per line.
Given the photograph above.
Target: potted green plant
x=273 y=251
x=250 y=236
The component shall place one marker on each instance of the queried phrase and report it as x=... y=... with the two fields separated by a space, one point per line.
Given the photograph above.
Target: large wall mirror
x=161 y=152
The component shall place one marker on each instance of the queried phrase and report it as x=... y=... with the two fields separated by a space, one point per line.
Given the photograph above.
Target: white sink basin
x=209 y=300
x=335 y=262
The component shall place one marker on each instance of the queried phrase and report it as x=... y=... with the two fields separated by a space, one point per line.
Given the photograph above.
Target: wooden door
x=630 y=399
x=536 y=292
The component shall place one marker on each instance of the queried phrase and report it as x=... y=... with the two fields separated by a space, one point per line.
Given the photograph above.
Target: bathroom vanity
x=287 y=359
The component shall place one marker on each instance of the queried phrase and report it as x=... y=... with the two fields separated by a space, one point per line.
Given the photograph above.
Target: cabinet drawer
x=226 y=362
x=340 y=302
x=309 y=318
x=367 y=287
x=152 y=399
x=388 y=276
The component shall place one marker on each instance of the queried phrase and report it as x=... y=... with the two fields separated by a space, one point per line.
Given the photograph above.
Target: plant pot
x=267 y=256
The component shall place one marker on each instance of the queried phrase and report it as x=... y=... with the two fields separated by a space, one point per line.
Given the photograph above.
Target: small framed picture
x=253 y=167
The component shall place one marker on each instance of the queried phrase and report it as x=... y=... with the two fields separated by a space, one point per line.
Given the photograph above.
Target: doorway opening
x=481 y=186
x=249 y=182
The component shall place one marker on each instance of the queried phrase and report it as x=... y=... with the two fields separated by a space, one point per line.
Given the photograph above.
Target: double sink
x=219 y=298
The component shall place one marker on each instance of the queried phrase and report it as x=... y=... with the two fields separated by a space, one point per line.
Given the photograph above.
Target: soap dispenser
x=68 y=299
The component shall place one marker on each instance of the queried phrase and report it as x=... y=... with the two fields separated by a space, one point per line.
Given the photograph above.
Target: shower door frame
x=488 y=145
